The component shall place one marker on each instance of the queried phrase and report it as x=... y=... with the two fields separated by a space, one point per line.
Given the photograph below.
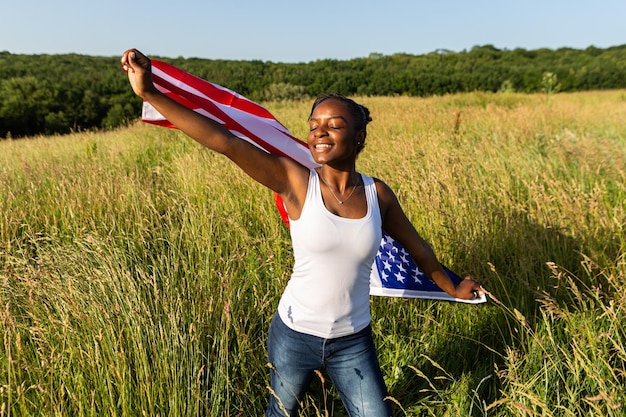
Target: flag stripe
x=212 y=109
x=257 y=126
x=216 y=93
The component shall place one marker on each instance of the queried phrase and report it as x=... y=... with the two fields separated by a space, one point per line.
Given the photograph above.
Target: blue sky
x=297 y=31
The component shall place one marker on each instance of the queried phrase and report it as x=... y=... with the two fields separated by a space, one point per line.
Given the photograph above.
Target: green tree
x=283 y=91
x=25 y=101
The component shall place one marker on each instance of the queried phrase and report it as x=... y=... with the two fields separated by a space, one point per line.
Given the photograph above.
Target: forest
x=59 y=94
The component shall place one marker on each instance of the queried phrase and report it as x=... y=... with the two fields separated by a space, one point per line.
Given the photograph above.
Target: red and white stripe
x=241 y=116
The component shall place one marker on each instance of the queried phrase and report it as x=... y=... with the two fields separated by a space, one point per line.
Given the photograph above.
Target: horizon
x=286 y=32
x=439 y=50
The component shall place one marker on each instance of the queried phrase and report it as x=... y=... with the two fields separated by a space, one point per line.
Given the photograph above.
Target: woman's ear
x=360 y=137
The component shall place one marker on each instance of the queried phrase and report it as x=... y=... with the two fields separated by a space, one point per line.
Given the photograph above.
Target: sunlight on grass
x=140 y=271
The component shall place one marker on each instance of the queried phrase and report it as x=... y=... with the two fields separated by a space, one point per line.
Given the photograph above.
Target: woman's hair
x=360 y=113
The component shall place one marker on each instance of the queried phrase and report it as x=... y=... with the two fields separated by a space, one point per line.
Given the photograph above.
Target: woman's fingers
x=132 y=60
x=473 y=286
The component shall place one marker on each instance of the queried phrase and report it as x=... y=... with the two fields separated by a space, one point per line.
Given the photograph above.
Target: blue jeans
x=350 y=362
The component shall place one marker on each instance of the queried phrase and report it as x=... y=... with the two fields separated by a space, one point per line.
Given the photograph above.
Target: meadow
x=140 y=271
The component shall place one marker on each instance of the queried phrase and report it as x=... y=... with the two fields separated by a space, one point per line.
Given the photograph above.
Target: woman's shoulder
x=381 y=186
x=386 y=196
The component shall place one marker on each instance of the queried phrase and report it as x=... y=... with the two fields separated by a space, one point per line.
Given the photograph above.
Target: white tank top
x=328 y=293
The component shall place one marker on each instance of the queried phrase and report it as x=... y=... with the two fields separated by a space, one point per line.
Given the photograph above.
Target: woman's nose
x=320 y=131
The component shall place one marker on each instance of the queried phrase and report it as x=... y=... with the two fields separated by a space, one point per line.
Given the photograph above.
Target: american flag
x=394 y=274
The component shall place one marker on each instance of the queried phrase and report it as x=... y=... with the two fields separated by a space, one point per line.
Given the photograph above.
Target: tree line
x=57 y=94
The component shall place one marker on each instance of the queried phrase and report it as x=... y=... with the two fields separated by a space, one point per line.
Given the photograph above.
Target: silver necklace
x=333 y=193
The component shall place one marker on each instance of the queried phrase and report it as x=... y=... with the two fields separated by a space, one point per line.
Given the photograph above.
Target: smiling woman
x=337 y=218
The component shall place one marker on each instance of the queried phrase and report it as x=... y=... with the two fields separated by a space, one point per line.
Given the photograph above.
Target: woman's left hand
x=468 y=289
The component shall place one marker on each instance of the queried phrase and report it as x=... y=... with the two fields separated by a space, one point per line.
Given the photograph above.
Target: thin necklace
x=333 y=193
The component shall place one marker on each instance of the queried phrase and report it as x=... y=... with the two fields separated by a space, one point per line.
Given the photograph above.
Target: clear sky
x=298 y=31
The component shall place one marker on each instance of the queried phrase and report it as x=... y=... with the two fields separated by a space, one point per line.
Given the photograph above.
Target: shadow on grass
x=467 y=360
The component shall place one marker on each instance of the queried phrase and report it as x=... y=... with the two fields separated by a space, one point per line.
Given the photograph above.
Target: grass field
x=140 y=271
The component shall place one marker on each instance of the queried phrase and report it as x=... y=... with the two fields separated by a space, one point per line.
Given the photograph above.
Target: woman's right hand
x=139 y=69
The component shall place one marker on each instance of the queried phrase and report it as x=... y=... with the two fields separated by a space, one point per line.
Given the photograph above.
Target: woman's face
x=333 y=135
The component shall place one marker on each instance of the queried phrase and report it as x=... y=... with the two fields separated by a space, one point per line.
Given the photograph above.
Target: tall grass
x=140 y=271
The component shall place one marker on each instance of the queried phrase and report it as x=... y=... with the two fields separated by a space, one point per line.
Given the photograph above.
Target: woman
x=337 y=217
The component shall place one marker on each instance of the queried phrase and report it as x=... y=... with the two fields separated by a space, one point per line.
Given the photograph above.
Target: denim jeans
x=350 y=362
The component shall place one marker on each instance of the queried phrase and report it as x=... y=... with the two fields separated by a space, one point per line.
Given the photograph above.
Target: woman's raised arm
x=275 y=172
